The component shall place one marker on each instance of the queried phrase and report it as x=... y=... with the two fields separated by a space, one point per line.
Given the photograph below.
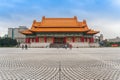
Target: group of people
x=24 y=46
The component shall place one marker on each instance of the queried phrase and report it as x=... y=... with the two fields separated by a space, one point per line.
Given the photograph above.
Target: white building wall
x=10 y=32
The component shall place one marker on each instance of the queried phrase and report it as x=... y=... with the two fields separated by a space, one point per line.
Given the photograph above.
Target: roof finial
x=84 y=21
x=75 y=17
x=34 y=21
x=43 y=17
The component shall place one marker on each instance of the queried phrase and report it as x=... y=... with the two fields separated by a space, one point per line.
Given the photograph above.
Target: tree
x=7 y=42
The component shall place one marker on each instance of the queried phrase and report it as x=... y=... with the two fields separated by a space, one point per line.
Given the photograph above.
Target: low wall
x=85 y=44
x=36 y=45
x=74 y=45
x=39 y=45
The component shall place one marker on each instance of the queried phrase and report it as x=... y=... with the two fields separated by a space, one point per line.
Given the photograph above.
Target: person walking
x=22 y=46
x=26 y=47
x=65 y=46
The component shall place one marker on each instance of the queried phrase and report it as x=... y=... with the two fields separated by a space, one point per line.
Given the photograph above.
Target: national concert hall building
x=56 y=32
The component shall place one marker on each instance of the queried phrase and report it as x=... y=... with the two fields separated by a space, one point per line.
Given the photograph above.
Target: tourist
x=26 y=46
x=65 y=46
x=22 y=46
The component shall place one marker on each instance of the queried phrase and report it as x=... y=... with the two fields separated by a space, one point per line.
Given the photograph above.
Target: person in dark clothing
x=26 y=46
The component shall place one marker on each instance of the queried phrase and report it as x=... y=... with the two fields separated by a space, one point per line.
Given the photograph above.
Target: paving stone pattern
x=60 y=64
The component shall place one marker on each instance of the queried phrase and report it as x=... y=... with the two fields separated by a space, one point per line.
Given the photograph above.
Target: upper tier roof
x=58 y=22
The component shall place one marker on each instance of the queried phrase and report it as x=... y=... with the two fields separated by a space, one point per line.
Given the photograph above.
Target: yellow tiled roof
x=92 y=32
x=59 y=30
x=58 y=22
x=59 y=25
x=26 y=32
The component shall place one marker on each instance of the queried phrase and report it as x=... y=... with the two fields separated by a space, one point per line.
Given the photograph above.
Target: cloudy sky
x=101 y=15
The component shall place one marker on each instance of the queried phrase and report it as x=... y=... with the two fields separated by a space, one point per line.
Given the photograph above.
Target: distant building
x=101 y=37
x=14 y=33
x=117 y=39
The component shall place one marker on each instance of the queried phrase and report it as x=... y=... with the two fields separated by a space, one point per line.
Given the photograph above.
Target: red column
x=53 y=39
x=86 y=39
x=45 y=39
x=36 y=39
x=64 y=39
x=89 y=40
x=32 y=39
x=73 y=39
x=92 y=40
x=82 y=39
x=26 y=40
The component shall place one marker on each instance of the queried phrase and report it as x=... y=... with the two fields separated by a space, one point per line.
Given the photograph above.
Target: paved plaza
x=60 y=64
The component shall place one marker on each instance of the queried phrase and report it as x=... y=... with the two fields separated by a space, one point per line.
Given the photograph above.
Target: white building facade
x=14 y=33
x=117 y=39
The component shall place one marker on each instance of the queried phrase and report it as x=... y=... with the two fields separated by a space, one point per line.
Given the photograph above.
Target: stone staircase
x=57 y=45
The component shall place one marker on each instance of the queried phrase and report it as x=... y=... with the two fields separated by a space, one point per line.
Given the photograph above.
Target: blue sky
x=102 y=15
